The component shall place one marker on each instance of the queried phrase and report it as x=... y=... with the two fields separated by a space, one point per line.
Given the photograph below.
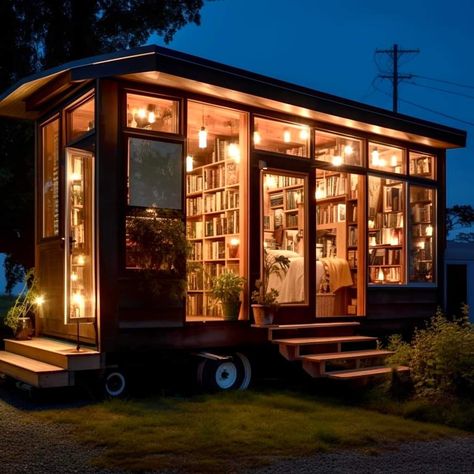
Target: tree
x=458 y=217
x=47 y=33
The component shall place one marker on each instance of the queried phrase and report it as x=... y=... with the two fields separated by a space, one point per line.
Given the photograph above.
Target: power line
x=441 y=90
x=444 y=81
x=395 y=77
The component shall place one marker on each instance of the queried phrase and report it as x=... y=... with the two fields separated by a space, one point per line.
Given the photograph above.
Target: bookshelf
x=213 y=224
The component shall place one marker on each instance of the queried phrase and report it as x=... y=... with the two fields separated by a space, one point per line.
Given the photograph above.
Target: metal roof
x=162 y=65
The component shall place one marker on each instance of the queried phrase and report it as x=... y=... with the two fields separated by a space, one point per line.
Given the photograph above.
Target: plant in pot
x=265 y=300
x=227 y=288
x=18 y=317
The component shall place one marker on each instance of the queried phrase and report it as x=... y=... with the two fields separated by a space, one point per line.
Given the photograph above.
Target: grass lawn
x=229 y=431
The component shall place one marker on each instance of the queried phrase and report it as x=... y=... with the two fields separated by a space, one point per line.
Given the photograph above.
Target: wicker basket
x=325 y=304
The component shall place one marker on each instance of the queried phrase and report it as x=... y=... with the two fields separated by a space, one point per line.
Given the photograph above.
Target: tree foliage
x=45 y=33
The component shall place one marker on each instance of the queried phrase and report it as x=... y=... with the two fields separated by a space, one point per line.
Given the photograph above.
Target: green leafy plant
x=440 y=357
x=24 y=303
x=272 y=265
x=227 y=287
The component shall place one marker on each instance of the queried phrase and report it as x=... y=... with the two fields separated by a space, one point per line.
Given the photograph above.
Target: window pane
x=155 y=174
x=81 y=119
x=51 y=179
x=152 y=113
x=215 y=208
x=284 y=237
x=422 y=234
x=386 y=158
x=386 y=218
x=338 y=149
x=280 y=137
x=422 y=164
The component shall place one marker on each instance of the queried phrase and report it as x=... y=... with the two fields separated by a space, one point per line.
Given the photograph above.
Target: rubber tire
x=115 y=384
x=224 y=375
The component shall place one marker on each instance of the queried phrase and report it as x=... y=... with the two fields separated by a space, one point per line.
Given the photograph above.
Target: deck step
x=365 y=372
x=59 y=353
x=339 y=328
x=33 y=372
x=276 y=327
x=346 y=355
x=304 y=341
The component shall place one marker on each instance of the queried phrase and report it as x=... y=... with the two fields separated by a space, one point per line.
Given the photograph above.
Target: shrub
x=440 y=357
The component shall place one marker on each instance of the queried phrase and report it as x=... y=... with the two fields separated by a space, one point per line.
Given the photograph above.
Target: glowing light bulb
x=287 y=136
x=141 y=113
x=304 y=134
x=81 y=260
x=234 y=241
x=271 y=181
x=380 y=275
x=39 y=300
x=382 y=162
x=74 y=276
x=75 y=176
x=257 y=138
x=348 y=150
x=429 y=231
x=393 y=160
x=202 y=137
x=189 y=163
x=233 y=151
x=337 y=160
x=375 y=157
x=151 y=117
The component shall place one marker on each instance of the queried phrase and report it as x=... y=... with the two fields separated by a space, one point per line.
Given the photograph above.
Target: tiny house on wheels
x=157 y=171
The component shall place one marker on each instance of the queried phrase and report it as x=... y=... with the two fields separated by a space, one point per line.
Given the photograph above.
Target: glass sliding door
x=79 y=236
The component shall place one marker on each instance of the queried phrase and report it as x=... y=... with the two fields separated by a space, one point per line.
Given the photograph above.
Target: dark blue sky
x=329 y=46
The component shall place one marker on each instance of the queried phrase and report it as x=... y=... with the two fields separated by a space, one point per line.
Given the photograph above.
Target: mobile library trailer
x=157 y=171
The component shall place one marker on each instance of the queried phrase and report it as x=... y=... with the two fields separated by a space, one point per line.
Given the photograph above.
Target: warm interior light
x=202 y=136
x=141 y=113
x=394 y=240
x=393 y=160
x=375 y=157
x=75 y=176
x=337 y=160
x=81 y=260
x=304 y=134
x=371 y=224
x=151 y=117
x=270 y=181
x=380 y=275
x=319 y=194
x=234 y=241
x=189 y=163
x=257 y=138
x=429 y=231
x=74 y=276
x=233 y=151
x=421 y=244
x=382 y=162
x=348 y=150
x=287 y=136
x=39 y=300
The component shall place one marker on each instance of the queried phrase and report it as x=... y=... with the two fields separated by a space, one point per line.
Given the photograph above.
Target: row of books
x=293 y=198
x=195 y=252
x=330 y=213
x=222 y=224
x=291 y=221
x=384 y=256
x=331 y=186
x=195 y=281
x=215 y=250
x=385 y=275
x=421 y=166
x=422 y=213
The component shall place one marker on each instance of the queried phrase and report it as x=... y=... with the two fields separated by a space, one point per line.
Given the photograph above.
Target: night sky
x=329 y=46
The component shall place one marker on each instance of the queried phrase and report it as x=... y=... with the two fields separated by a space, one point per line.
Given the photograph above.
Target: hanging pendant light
x=202 y=136
x=375 y=157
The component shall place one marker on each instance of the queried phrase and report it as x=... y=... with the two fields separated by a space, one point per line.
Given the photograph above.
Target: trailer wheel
x=227 y=374
x=115 y=384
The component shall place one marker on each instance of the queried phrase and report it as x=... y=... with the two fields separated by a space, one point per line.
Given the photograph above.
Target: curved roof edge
x=157 y=58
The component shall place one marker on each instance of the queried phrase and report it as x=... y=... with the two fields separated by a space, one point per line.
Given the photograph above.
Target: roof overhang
x=157 y=65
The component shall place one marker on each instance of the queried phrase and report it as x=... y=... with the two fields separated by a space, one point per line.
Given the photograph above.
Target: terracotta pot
x=262 y=315
x=25 y=329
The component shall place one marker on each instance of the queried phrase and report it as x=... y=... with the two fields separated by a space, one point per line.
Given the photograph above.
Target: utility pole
x=395 y=53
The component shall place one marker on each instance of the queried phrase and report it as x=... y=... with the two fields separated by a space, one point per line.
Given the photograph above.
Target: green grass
x=230 y=431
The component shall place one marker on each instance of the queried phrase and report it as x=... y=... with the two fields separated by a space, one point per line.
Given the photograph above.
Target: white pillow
x=283 y=253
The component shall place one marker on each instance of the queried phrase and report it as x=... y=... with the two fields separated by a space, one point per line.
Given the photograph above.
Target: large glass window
x=337 y=149
x=81 y=119
x=50 y=195
x=215 y=202
x=386 y=158
x=386 y=224
x=152 y=113
x=422 y=164
x=422 y=230
x=281 y=137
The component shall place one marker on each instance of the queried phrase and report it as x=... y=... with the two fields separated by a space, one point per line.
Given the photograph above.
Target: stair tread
x=345 y=355
x=32 y=365
x=364 y=372
x=301 y=341
x=313 y=325
x=53 y=345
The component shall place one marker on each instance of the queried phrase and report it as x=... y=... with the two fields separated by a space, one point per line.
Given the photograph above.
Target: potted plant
x=226 y=288
x=18 y=317
x=266 y=300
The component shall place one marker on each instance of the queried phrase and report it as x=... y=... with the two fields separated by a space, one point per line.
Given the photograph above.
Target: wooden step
x=315 y=364
x=365 y=372
x=276 y=327
x=290 y=348
x=33 y=372
x=59 y=353
x=341 y=328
